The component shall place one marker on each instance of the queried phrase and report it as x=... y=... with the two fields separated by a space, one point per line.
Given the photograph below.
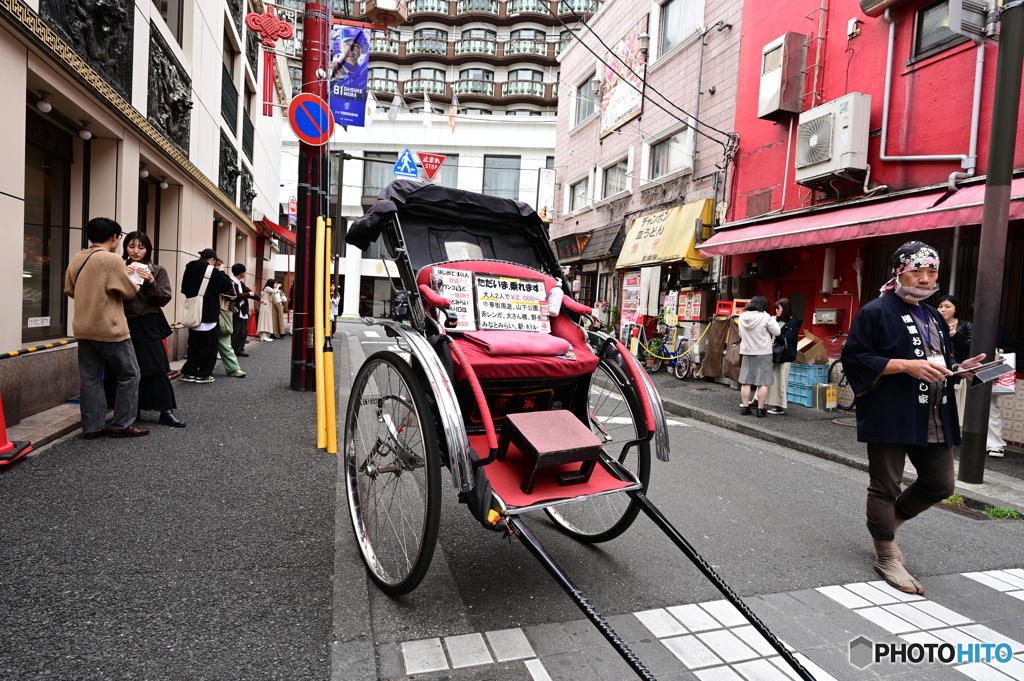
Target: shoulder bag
x=192 y=315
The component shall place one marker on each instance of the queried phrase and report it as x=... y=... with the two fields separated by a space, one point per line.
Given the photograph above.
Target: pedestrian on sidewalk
x=243 y=294
x=202 y=340
x=1007 y=347
x=335 y=302
x=279 y=300
x=783 y=354
x=149 y=328
x=226 y=328
x=265 y=323
x=97 y=279
x=757 y=331
x=960 y=335
x=897 y=358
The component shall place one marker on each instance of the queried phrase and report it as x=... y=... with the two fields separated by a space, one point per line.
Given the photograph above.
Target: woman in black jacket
x=777 y=402
x=959 y=329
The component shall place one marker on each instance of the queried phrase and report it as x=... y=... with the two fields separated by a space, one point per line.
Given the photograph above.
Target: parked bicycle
x=678 y=361
x=837 y=377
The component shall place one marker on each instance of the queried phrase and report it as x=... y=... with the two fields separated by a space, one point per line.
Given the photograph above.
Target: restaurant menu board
x=457 y=287
x=690 y=306
x=668 y=309
x=511 y=304
x=630 y=299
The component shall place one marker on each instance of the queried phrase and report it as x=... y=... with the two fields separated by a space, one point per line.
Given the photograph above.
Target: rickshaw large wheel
x=615 y=413
x=392 y=473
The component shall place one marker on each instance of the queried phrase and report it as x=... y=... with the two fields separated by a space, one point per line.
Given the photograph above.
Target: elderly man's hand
x=925 y=370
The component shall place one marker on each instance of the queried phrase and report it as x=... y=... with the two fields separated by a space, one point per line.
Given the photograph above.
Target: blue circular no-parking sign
x=310 y=119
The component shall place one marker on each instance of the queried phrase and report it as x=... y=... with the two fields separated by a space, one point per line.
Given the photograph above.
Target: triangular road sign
x=431 y=163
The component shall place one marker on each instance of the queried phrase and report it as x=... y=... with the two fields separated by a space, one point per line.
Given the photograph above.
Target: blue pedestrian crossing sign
x=405 y=166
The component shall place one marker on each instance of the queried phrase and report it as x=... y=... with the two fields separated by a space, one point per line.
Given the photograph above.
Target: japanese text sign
x=457 y=287
x=511 y=304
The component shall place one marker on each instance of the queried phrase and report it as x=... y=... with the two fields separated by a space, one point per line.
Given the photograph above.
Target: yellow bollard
x=318 y=333
x=328 y=354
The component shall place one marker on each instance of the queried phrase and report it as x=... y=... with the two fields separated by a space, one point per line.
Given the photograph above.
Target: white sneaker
x=776 y=411
x=998 y=453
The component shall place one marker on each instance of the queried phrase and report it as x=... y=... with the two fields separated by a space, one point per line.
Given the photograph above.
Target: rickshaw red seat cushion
x=493 y=366
x=519 y=343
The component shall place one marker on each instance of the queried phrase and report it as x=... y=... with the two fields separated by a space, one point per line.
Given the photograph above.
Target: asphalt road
x=768 y=519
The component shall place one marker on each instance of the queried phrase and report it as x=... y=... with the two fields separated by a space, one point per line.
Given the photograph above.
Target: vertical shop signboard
x=668 y=310
x=630 y=299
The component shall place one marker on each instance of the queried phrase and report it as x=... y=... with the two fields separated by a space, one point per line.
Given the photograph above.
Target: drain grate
x=965 y=511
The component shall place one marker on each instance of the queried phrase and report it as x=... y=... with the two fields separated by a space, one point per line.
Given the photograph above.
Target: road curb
x=827 y=453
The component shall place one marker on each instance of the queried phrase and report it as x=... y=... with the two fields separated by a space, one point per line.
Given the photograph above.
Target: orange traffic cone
x=10 y=451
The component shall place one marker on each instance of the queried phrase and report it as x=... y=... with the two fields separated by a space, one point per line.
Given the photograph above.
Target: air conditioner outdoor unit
x=832 y=141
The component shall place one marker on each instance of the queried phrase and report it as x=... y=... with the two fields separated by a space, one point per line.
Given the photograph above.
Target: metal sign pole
x=312 y=198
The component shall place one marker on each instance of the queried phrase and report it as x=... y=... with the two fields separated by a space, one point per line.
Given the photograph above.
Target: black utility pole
x=992 y=250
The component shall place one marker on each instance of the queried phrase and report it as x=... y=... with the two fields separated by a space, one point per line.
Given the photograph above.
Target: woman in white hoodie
x=757 y=333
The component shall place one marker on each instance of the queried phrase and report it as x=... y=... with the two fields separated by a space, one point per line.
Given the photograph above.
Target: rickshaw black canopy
x=432 y=218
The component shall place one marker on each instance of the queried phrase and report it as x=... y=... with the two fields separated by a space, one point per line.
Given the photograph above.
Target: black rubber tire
x=682 y=368
x=619 y=509
x=373 y=543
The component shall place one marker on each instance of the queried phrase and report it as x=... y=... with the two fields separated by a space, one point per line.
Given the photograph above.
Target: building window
x=669 y=155
x=549 y=163
x=501 y=176
x=931 y=29
x=431 y=33
x=449 y=173
x=526 y=74
x=479 y=34
x=170 y=11
x=470 y=111
x=584 y=100
x=429 y=74
x=615 y=179
x=527 y=34
x=579 y=195
x=522 y=112
x=434 y=110
x=376 y=175
x=679 y=19
x=383 y=73
x=476 y=74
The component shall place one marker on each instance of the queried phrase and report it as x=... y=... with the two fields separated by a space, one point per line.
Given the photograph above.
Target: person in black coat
x=202 y=340
x=897 y=359
x=790 y=327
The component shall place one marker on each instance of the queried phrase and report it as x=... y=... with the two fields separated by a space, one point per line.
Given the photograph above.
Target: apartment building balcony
x=523 y=88
x=383 y=85
x=418 y=86
x=469 y=90
x=415 y=50
x=500 y=12
x=384 y=45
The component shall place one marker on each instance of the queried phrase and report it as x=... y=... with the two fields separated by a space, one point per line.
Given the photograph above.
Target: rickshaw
x=513 y=395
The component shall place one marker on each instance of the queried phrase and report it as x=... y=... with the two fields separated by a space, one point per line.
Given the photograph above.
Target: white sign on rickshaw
x=457 y=287
x=511 y=304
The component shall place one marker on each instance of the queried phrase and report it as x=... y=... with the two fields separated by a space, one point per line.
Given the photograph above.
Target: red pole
x=312 y=197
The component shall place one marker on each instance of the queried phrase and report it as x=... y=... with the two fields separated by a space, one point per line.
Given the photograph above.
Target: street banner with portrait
x=622 y=86
x=350 y=60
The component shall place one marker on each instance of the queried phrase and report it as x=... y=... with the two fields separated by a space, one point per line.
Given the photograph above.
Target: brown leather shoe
x=95 y=434
x=130 y=431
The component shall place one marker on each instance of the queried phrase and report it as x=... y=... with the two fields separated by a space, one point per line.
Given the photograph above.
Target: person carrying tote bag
x=783 y=354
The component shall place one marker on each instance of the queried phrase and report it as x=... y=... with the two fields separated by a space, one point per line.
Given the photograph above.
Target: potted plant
x=655 y=347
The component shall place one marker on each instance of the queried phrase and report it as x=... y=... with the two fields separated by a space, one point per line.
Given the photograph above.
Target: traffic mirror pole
x=992 y=249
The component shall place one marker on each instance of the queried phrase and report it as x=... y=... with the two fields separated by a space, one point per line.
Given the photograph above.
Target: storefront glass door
x=47 y=189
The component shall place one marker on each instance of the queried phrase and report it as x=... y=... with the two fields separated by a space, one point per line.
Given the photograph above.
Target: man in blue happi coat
x=897 y=358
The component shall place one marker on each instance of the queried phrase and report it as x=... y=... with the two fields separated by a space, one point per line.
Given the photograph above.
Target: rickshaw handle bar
x=577 y=307
x=555 y=570
x=661 y=521
x=433 y=298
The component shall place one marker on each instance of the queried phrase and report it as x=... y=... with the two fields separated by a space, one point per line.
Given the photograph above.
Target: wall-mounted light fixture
x=163 y=182
x=143 y=173
x=595 y=84
x=85 y=133
x=218 y=223
x=644 y=41
x=44 y=102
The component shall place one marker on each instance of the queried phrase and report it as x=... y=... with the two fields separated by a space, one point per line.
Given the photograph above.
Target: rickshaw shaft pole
x=661 y=521
x=533 y=545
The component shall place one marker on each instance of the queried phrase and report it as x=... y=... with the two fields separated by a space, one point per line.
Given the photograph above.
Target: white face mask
x=914 y=294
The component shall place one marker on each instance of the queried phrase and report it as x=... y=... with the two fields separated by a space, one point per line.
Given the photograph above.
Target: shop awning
x=916 y=213
x=275 y=231
x=666 y=236
x=602 y=243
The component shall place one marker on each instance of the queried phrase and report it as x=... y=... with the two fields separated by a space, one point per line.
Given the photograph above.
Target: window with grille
x=501 y=176
x=931 y=30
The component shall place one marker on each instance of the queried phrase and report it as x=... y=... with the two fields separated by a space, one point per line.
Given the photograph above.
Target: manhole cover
x=846 y=421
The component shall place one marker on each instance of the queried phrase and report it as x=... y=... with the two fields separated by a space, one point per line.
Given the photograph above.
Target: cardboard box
x=826 y=397
x=811 y=350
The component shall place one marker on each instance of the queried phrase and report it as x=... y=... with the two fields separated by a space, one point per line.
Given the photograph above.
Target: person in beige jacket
x=97 y=279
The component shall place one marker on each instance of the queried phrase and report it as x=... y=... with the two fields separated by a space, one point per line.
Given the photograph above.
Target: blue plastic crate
x=807 y=376
x=799 y=394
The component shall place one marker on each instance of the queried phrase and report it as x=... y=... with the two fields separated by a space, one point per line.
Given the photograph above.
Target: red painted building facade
x=783 y=239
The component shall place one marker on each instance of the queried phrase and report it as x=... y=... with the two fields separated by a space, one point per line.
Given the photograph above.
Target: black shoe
x=745 y=411
x=169 y=419
x=241 y=354
x=761 y=413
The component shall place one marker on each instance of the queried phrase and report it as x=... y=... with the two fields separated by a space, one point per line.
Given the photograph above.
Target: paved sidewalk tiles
x=713 y=641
